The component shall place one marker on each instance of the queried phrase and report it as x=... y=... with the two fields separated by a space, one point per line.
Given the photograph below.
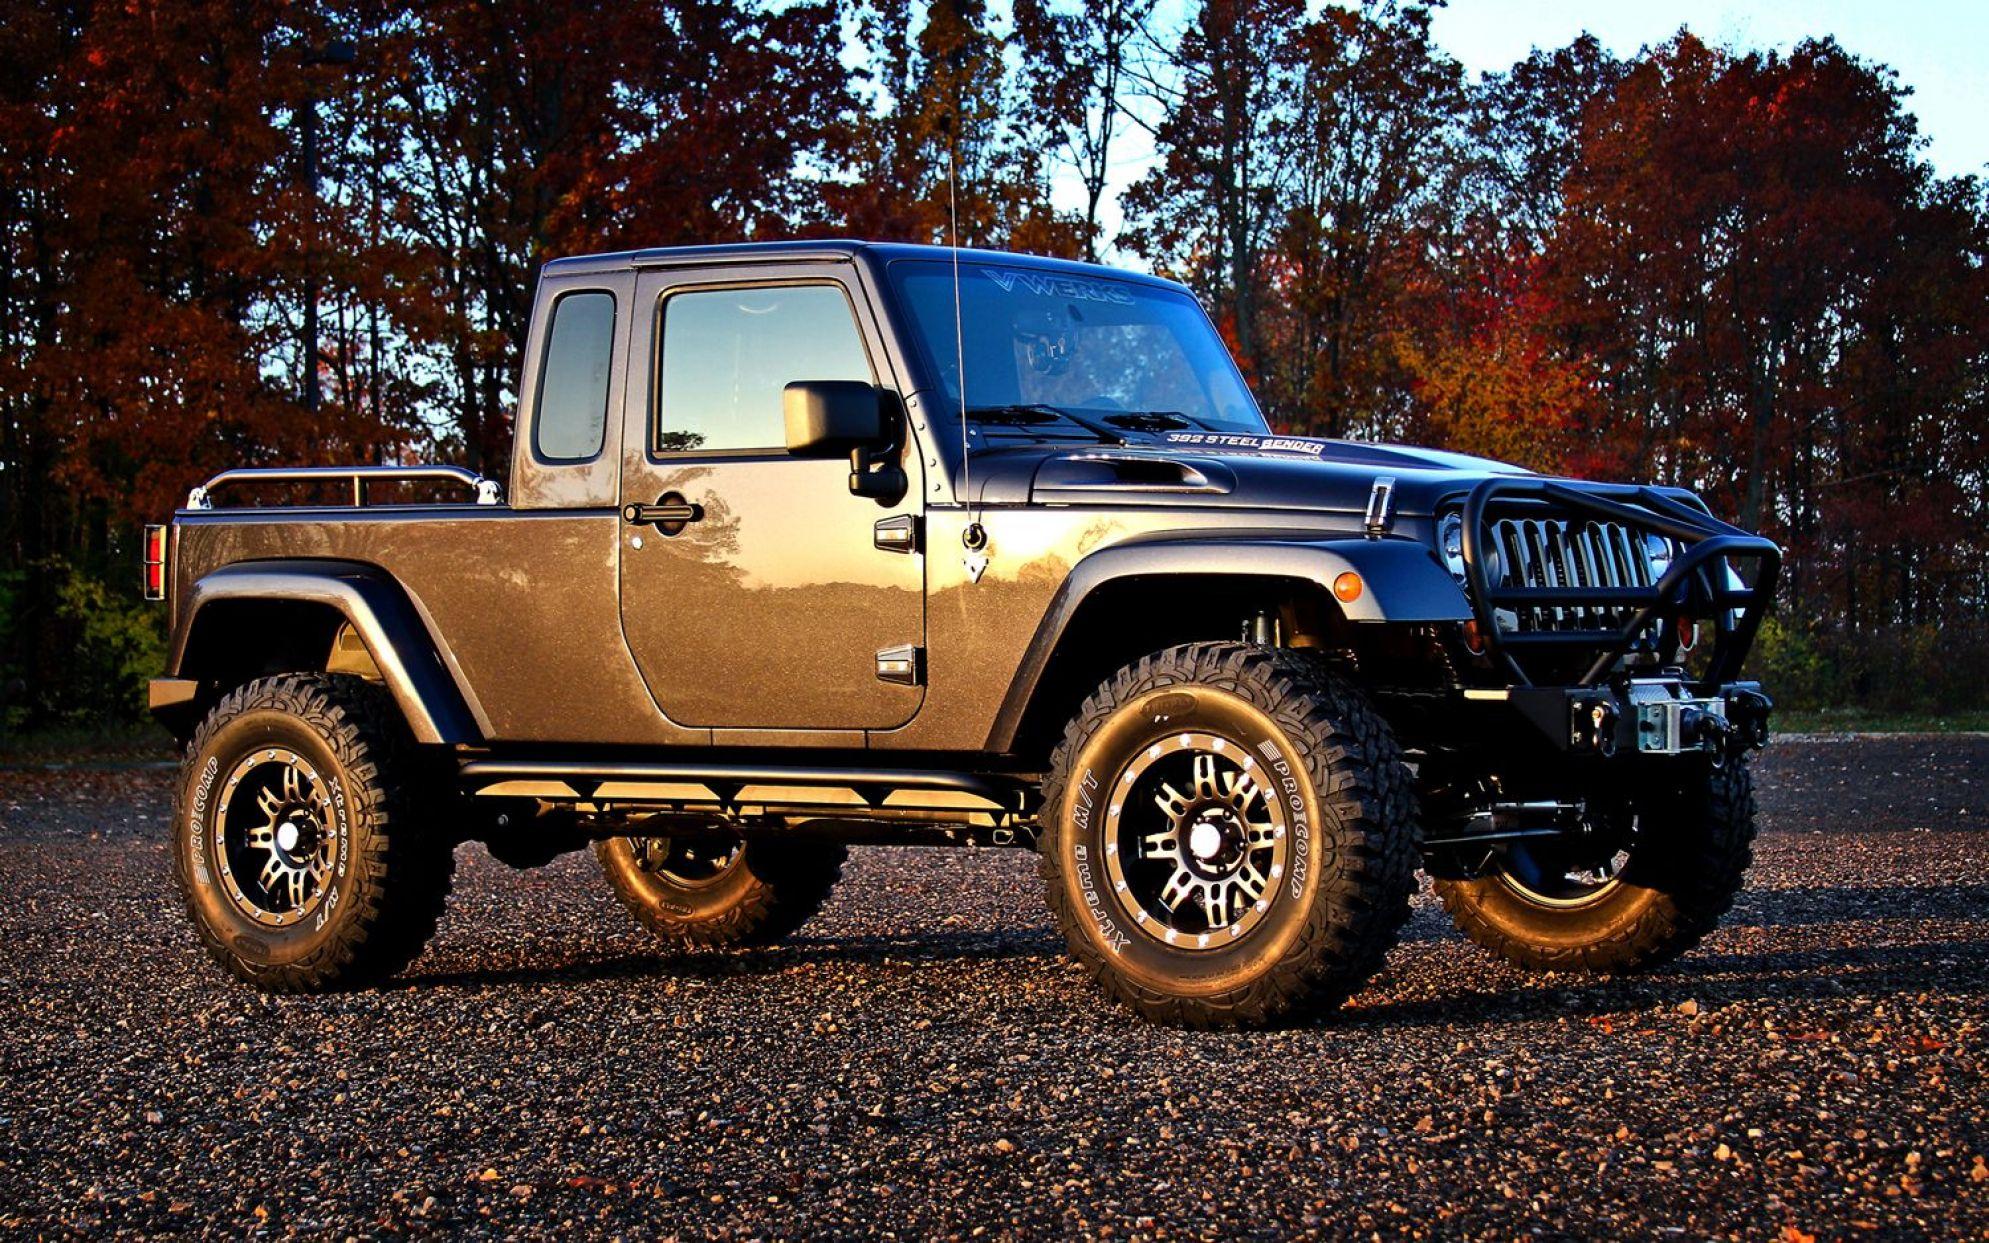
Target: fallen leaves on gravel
x=922 y=1062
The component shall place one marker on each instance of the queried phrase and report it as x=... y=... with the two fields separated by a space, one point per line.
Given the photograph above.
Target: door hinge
x=898 y=533
x=904 y=665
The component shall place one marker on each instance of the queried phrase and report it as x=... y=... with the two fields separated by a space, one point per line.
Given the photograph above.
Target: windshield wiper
x=1036 y=414
x=1154 y=421
x=1030 y=416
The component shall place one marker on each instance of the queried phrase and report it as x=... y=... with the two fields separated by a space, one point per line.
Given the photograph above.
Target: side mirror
x=828 y=418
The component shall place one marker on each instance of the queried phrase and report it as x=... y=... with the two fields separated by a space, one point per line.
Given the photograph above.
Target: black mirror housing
x=831 y=418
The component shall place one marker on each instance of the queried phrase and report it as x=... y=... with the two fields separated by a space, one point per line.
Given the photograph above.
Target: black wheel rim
x=690 y=862
x=277 y=835
x=1195 y=847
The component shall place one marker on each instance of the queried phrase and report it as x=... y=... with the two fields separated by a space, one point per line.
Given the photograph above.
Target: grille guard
x=1691 y=587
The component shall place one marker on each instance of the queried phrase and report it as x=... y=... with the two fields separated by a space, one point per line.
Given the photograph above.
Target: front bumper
x=1647 y=716
x=1598 y=618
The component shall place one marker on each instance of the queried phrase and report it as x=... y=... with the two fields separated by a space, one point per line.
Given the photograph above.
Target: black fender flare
x=411 y=658
x=1402 y=582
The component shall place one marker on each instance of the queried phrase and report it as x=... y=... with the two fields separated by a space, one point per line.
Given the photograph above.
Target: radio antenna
x=974 y=536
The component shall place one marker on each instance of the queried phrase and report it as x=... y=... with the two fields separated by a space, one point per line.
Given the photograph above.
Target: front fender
x=1402 y=579
x=1402 y=582
x=404 y=649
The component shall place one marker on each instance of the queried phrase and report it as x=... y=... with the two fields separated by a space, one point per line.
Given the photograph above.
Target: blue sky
x=1939 y=49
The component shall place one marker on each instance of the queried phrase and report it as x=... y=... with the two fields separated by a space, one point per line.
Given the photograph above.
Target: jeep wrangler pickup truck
x=808 y=545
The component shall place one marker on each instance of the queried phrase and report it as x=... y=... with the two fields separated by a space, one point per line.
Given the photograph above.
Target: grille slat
x=1536 y=548
x=1567 y=553
x=1612 y=575
x=1582 y=547
x=1508 y=540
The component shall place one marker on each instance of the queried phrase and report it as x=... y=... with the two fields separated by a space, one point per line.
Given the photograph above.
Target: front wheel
x=1633 y=899
x=1229 y=836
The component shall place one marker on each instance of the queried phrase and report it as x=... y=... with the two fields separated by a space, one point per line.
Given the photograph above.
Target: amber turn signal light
x=1347 y=587
x=1474 y=638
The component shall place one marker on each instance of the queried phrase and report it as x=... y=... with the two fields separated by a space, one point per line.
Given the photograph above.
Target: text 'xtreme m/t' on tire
x=813 y=545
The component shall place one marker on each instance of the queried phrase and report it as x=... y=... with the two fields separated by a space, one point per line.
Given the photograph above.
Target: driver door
x=782 y=600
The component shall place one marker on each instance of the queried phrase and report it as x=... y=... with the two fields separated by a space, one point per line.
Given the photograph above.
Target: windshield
x=1103 y=353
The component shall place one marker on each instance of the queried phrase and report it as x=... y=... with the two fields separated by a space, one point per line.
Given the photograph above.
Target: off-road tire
x=1329 y=922
x=772 y=889
x=1691 y=860
x=385 y=893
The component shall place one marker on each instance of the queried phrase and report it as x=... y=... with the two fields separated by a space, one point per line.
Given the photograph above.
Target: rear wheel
x=296 y=837
x=1229 y=836
x=1633 y=895
x=713 y=889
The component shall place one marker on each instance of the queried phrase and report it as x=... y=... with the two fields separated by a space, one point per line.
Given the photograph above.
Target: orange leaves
x=1491 y=380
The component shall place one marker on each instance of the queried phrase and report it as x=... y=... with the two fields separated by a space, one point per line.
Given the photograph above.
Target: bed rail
x=484 y=491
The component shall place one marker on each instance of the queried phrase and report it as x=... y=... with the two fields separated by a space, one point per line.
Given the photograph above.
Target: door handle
x=670 y=514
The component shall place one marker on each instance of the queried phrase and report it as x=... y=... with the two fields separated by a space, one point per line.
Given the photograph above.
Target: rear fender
x=219 y=629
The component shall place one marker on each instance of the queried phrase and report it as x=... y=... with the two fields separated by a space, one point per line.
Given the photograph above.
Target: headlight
x=1450 y=542
x=1657 y=554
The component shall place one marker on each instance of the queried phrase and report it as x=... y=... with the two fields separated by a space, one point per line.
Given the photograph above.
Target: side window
x=728 y=353
x=573 y=380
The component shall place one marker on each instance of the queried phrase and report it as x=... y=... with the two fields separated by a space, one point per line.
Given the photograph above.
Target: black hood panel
x=1210 y=469
x=1380 y=456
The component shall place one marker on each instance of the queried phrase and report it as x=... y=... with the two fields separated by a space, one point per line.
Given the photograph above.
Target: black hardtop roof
x=832 y=250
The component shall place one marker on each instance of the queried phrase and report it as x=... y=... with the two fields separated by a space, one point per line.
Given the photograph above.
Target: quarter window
x=728 y=354
x=573 y=382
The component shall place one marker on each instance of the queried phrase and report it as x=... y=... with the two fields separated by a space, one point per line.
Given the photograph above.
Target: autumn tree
x=944 y=136
x=1372 y=130
x=1778 y=305
x=532 y=131
x=1078 y=69
x=149 y=198
x=1886 y=497
x=1523 y=132
x=1484 y=367
x=1209 y=209
x=1293 y=192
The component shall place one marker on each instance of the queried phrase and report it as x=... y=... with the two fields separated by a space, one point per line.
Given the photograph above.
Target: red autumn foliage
x=1729 y=270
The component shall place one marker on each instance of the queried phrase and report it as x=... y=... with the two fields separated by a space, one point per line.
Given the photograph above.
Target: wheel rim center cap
x=1205 y=840
x=287 y=835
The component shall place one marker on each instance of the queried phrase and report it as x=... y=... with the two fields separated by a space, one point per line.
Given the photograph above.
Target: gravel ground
x=922 y=1062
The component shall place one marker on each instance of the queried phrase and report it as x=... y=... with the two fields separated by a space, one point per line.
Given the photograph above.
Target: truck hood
x=1229 y=471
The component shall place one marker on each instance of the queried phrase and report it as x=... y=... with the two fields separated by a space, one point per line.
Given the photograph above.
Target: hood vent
x=1113 y=472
